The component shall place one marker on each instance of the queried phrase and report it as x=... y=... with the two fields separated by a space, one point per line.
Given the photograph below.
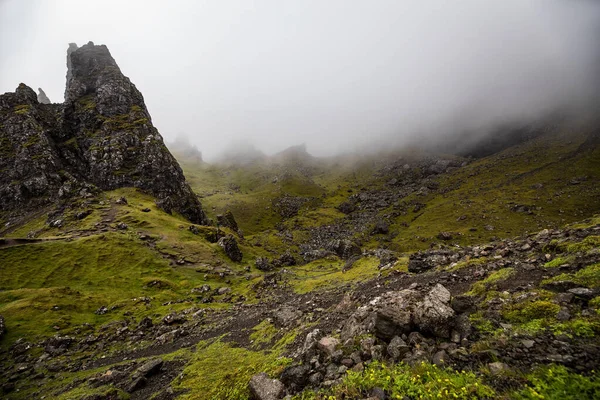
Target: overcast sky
x=334 y=74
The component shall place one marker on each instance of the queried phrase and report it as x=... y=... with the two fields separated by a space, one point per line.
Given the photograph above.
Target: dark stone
x=263 y=264
x=583 y=293
x=150 y=368
x=286 y=260
x=344 y=248
x=440 y=358
x=229 y=245
x=381 y=228
x=145 y=323
x=137 y=384
x=173 y=318
x=377 y=393
x=445 y=236
x=418 y=264
x=463 y=304
x=227 y=220
x=295 y=378
x=397 y=348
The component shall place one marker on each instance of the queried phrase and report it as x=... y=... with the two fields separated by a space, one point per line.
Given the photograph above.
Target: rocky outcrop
x=101 y=137
x=227 y=220
x=42 y=98
x=230 y=247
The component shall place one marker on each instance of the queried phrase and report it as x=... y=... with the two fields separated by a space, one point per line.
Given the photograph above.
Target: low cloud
x=336 y=75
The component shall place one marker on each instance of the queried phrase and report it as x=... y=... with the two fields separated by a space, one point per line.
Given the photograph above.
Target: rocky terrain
x=400 y=275
x=498 y=310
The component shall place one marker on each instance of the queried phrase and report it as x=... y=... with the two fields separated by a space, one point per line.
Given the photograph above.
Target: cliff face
x=102 y=136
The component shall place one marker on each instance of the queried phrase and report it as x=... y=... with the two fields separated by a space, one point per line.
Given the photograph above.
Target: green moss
x=587 y=244
x=555 y=382
x=32 y=140
x=558 y=261
x=482 y=324
x=588 y=276
x=263 y=334
x=531 y=310
x=321 y=274
x=87 y=102
x=481 y=287
x=423 y=381
x=22 y=109
x=220 y=371
x=468 y=263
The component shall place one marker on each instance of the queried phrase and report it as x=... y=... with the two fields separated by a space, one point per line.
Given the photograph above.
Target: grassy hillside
x=110 y=263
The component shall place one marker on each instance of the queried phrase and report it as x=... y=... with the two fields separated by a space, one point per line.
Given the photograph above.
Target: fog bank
x=336 y=75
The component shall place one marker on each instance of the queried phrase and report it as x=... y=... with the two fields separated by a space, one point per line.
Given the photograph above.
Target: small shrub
x=555 y=382
x=479 y=288
x=423 y=381
x=533 y=310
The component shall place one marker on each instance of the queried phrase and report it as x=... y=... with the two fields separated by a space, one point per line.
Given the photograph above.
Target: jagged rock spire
x=102 y=136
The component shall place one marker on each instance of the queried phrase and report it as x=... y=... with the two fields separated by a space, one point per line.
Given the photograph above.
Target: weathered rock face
x=102 y=136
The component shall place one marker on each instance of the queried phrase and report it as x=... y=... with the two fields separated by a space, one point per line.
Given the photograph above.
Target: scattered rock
x=583 y=293
x=173 y=318
x=264 y=388
x=328 y=345
x=440 y=358
x=284 y=316
x=497 y=367
x=263 y=264
x=397 y=348
x=150 y=368
x=296 y=377
x=381 y=228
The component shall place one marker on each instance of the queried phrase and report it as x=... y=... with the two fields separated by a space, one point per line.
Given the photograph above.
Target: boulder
x=310 y=343
x=42 y=98
x=263 y=264
x=440 y=358
x=227 y=220
x=381 y=228
x=395 y=312
x=286 y=315
x=295 y=377
x=328 y=345
x=397 y=348
x=230 y=246
x=344 y=248
x=149 y=368
x=264 y=388
x=434 y=315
